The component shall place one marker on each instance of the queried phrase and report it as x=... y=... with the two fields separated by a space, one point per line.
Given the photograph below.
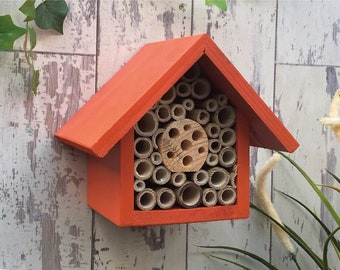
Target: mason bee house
x=168 y=136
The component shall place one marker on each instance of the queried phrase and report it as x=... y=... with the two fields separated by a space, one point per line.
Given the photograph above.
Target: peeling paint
x=332 y=81
x=336 y=31
x=168 y=20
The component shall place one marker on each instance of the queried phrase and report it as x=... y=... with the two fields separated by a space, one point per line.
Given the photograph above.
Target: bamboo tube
x=156 y=158
x=218 y=178
x=188 y=104
x=169 y=96
x=221 y=99
x=227 y=157
x=189 y=195
x=192 y=74
x=161 y=175
x=154 y=106
x=156 y=136
x=178 y=111
x=146 y=199
x=209 y=197
x=225 y=116
x=183 y=89
x=165 y=197
x=200 y=177
x=227 y=137
x=147 y=125
x=226 y=196
x=139 y=185
x=200 y=116
x=210 y=104
x=212 y=159
x=178 y=179
x=183 y=146
x=143 y=168
x=200 y=88
x=143 y=147
x=212 y=130
x=163 y=113
x=214 y=146
x=233 y=175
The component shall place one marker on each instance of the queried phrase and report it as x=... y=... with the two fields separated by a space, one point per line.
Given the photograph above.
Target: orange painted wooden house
x=105 y=129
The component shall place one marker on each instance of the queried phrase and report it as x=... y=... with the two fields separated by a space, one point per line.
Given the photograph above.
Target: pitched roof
x=141 y=82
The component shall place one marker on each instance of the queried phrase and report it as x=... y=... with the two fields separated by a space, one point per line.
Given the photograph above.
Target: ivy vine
x=49 y=14
x=221 y=4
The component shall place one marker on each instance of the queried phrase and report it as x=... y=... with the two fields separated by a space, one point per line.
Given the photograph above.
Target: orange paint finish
x=103 y=127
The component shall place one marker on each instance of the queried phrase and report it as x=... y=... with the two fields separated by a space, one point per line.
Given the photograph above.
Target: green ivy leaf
x=221 y=4
x=9 y=32
x=28 y=9
x=35 y=82
x=51 y=14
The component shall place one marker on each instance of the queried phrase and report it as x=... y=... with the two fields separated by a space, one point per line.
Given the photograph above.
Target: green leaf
x=229 y=261
x=294 y=236
x=9 y=32
x=334 y=176
x=221 y=4
x=33 y=38
x=325 y=248
x=51 y=14
x=323 y=198
x=28 y=9
x=35 y=82
x=331 y=187
x=244 y=252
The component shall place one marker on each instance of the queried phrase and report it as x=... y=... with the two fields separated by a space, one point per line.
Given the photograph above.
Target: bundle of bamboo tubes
x=184 y=148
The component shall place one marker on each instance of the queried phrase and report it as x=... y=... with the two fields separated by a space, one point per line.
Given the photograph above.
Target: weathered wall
x=287 y=50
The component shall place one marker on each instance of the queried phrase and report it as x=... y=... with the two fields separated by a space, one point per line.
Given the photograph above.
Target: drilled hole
x=201 y=150
x=187 y=160
x=187 y=127
x=173 y=133
x=170 y=154
x=196 y=135
x=186 y=145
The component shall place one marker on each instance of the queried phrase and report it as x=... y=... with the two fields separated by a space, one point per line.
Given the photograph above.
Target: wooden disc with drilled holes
x=183 y=146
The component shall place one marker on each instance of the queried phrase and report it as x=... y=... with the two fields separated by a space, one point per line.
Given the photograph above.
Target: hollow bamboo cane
x=161 y=175
x=209 y=197
x=156 y=158
x=218 y=178
x=163 y=113
x=200 y=88
x=165 y=197
x=139 y=185
x=227 y=137
x=189 y=195
x=178 y=179
x=178 y=111
x=143 y=168
x=214 y=146
x=212 y=159
x=143 y=147
x=210 y=104
x=221 y=99
x=192 y=74
x=188 y=104
x=155 y=137
x=212 y=130
x=225 y=116
x=200 y=177
x=200 y=116
x=169 y=96
x=226 y=196
x=146 y=199
x=147 y=125
x=183 y=89
x=227 y=157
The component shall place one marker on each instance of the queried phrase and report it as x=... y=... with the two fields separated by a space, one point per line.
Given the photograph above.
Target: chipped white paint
x=44 y=219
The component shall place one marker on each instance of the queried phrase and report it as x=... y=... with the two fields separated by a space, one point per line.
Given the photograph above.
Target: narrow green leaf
x=334 y=176
x=33 y=38
x=329 y=186
x=249 y=254
x=51 y=14
x=35 y=81
x=294 y=236
x=221 y=4
x=9 y=32
x=28 y=9
x=316 y=189
x=325 y=248
x=229 y=261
